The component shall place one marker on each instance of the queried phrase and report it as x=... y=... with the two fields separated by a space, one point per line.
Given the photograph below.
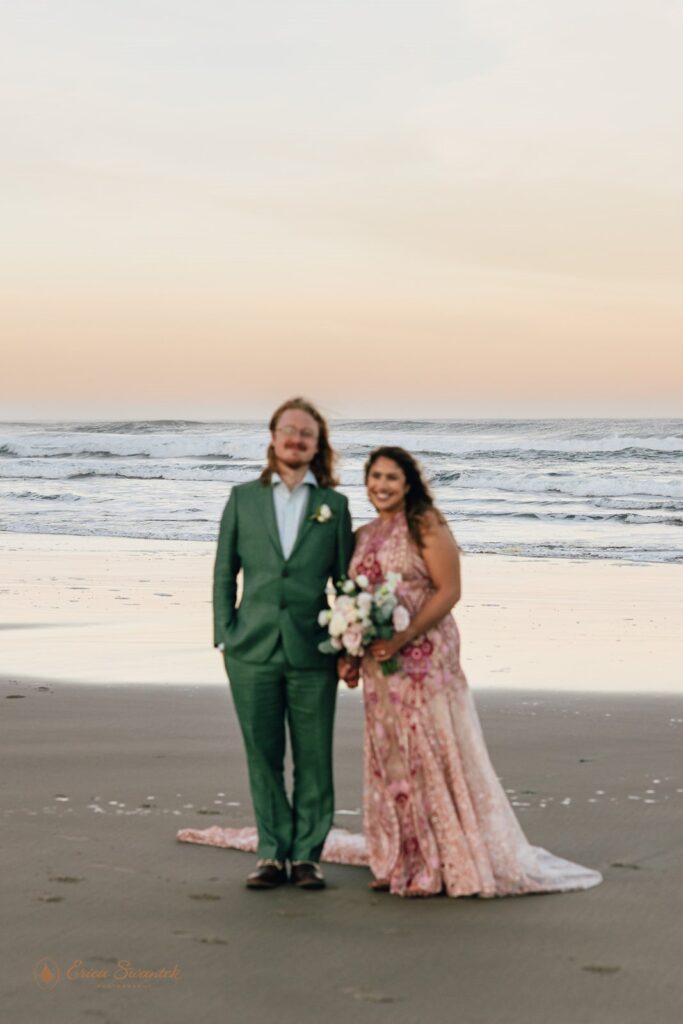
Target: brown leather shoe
x=306 y=874
x=268 y=875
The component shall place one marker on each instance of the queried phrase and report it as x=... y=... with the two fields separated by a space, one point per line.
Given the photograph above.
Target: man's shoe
x=306 y=874
x=268 y=875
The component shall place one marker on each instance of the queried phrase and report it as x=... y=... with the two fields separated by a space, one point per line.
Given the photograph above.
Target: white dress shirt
x=290 y=507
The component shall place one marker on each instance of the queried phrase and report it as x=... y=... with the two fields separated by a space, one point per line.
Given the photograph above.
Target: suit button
x=283 y=603
x=285 y=572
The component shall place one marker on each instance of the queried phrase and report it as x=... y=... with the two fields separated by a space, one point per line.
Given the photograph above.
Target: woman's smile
x=387 y=486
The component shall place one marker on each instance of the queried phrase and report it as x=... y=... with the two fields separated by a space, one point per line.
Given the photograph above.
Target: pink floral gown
x=436 y=817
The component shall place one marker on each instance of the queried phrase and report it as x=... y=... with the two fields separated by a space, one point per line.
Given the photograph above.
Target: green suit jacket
x=280 y=597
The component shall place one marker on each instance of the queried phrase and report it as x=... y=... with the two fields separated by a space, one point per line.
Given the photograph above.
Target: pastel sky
x=415 y=207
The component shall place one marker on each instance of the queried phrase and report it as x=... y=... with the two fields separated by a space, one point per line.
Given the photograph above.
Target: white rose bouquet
x=361 y=613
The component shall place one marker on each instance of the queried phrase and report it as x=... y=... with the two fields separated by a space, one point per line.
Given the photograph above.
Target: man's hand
x=348 y=669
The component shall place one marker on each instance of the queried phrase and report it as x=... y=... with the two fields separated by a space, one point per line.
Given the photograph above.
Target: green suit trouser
x=266 y=697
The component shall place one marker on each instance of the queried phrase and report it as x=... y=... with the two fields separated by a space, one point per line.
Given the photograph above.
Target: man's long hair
x=419 y=502
x=324 y=459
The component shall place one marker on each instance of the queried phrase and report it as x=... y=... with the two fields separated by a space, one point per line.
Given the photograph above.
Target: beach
x=97 y=779
x=312 y=262
x=117 y=610
x=118 y=730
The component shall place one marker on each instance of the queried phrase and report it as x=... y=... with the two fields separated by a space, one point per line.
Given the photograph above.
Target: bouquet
x=361 y=613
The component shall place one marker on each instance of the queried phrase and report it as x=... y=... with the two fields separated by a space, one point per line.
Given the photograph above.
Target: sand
x=101 y=770
x=97 y=779
x=94 y=609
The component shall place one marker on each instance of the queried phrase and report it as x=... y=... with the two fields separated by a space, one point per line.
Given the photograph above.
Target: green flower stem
x=389 y=667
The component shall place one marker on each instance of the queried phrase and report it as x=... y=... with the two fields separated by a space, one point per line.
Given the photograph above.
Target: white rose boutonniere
x=322 y=514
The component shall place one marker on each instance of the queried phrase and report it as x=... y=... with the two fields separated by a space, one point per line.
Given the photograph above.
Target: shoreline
x=19 y=681
x=465 y=554
x=118 y=610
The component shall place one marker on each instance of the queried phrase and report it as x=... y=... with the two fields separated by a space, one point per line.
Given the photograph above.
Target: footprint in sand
x=212 y=940
x=65 y=878
x=51 y=899
x=202 y=896
x=369 y=996
x=600 y=968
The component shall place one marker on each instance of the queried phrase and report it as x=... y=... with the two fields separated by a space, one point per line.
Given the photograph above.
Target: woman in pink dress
x=436 y=818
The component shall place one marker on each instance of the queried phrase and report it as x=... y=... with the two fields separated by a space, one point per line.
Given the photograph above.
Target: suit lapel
x=268 y=507
x=315 y=499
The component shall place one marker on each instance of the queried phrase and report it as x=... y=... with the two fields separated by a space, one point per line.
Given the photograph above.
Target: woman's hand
x=348 y=669
x=384 y=650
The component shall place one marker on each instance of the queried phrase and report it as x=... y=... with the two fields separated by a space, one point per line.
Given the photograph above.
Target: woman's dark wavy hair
x=325 y=458
x=419 y=501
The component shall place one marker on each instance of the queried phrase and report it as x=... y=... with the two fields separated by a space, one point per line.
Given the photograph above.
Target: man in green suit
x=288 y=532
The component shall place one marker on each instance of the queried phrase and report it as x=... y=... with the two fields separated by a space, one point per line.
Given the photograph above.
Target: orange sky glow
x=462 y=210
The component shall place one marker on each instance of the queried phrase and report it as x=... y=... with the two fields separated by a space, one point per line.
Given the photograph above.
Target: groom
x=288 y=532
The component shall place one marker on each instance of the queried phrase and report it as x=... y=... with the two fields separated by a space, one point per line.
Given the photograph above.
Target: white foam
x=578 y=489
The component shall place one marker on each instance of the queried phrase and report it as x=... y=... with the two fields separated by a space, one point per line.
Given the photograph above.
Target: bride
x=435 y=815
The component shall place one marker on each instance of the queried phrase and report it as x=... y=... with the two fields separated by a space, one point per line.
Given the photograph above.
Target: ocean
x=569 y=488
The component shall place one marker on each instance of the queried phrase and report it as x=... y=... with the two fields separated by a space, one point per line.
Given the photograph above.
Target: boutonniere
x=323 y=514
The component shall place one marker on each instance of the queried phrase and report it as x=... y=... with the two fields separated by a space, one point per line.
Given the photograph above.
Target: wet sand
x=117 y=729
x=97 y=780
x=107 y=609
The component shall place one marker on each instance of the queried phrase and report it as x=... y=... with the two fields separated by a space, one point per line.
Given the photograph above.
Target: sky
x=414 y=207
